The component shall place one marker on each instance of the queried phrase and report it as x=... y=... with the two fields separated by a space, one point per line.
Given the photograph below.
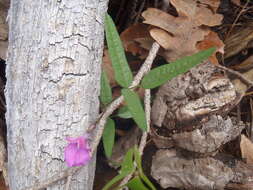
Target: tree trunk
x=53 y=76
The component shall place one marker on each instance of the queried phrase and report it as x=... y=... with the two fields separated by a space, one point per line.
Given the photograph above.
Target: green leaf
x=135 y=108
x=127 y=167
x=147 y=181
x=108 y=137
x=137 y=158
x=105 y=89
x=160 y=75
x=136 y=184
x=124 y=113
x=123 y=74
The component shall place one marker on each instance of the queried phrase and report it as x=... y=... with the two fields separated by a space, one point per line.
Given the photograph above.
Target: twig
x=146 y=65
x=145 y=134
x=67 y=185
x=236 y=73
x=147 y=101
x=101 y=122
x=236 y=19
x=139 y=12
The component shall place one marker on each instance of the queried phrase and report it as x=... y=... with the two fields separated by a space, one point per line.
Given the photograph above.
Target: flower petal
x=82 y=157
x=70 y=154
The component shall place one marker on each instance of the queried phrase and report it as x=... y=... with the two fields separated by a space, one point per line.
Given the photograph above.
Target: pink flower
x=77 y=152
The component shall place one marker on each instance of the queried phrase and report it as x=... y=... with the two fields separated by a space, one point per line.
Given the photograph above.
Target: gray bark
x=53 y=75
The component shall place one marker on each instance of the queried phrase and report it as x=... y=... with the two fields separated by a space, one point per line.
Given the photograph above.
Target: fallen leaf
x=197 y=12
x=236 y=2
x=212 y=40
x=246 y=149
x=131 y=37
x=107 y=67
x=162 y=37
x=185 y=34
x=179 y=35
x=213 y=4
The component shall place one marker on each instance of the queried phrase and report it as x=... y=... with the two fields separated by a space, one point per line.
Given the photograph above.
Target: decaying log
x=190 y=115
x=187 y=99
x=172 y=170
x=214 y=133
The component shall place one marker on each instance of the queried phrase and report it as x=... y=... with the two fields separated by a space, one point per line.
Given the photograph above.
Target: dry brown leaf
x=236 y=2
x=212 y=40
x=213 y=4
x=185 y=33
x=107 y=67
x=197 y=12
x=131 y=36
x=162 y=37
x=185 y=30
x=246 y=149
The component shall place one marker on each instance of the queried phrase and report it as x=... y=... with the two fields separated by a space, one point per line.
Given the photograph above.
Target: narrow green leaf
x=147 y=181
x=108 y=137
x=123 y=74
x=124 y=113
x=137 y=158
x=135 y=108
x=136 y=184
x=127 y=167
x=105 y=89
x=160 y=75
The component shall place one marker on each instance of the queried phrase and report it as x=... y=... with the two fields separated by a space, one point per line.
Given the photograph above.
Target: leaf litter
x=184 y=31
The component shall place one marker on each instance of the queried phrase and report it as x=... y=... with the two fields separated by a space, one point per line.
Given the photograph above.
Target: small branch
x=102 y=120
x=147 y=102
x=67 y=185
x=146 y=65
x=145 y=134
x=236 y=73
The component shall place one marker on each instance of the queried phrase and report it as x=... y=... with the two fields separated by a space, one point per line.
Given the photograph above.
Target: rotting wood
x=190 y=98
x=189 y=113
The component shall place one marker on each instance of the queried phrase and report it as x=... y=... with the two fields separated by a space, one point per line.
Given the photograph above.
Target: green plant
x=134 y=108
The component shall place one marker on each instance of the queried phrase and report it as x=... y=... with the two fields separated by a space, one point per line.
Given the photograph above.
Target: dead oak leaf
x=183 y=34
x=197 y=12
x=213 y=4
x=246 y=149
x=212 y=40
x=132 y=36
x=107 y=67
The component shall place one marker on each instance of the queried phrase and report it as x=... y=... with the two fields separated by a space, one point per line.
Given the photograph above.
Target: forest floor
x=183 y=28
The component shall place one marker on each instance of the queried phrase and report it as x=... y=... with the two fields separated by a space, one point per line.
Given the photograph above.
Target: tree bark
x=53 y=76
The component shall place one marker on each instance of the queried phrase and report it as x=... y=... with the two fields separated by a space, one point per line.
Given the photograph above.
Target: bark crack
x=68 y=74
x=52 y=158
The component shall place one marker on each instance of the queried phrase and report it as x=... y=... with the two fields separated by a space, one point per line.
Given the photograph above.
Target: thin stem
x=236 y=73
